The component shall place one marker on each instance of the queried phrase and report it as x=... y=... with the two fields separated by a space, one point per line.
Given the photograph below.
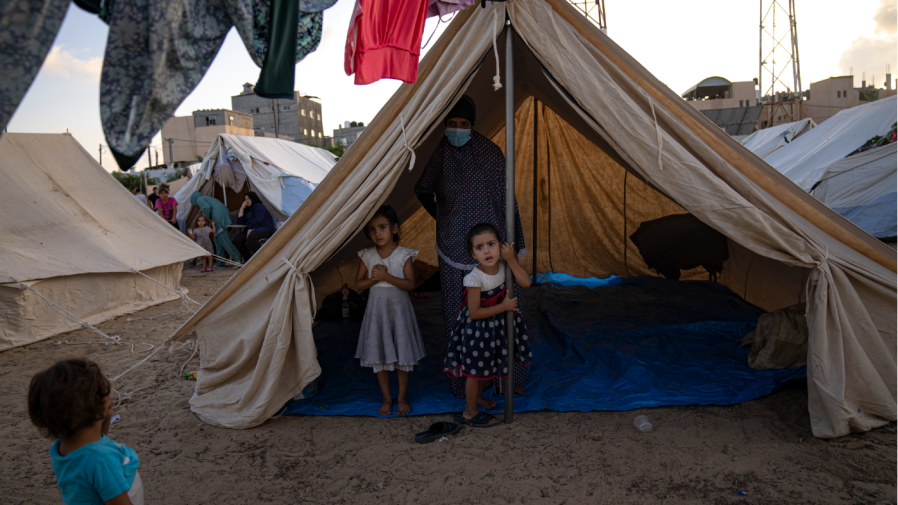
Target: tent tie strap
x=497 y=81
x=406 y=145
x=308 y=278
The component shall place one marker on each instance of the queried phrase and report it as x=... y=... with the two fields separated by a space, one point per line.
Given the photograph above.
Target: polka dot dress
x=478 y=347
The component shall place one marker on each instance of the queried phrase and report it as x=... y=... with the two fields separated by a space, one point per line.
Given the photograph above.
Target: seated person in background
x=259 y=225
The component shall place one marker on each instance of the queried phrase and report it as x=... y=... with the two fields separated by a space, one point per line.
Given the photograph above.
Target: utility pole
x=274 y=117
x=594 y=10
x=171 y=153
x=767 y=61
x=101 y=155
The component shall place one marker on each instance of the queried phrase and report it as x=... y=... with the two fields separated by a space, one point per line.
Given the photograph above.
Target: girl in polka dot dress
x=478 y=343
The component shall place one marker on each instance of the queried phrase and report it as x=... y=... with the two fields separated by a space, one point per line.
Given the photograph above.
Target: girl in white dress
x=390 y=338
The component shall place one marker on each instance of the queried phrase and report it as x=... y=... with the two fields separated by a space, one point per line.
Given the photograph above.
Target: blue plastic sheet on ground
x=567 y=280
x=627 y=344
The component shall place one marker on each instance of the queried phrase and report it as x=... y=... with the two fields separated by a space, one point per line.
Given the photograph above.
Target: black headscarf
x=465 y=109
x=253 y=197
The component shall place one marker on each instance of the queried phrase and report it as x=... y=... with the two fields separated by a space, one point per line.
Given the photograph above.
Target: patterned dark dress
x=478 y=347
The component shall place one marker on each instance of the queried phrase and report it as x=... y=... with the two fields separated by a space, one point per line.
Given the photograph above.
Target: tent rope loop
x=308 y=278
x=497 y=81
x=406 y=145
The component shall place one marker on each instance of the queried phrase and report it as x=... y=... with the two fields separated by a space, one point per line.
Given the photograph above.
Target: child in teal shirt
x=70 y=402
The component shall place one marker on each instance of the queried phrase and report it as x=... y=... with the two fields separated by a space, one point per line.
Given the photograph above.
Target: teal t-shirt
x=94 y=473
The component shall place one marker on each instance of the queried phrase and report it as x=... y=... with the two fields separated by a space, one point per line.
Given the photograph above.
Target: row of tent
x=819 y=159
x=78 y=248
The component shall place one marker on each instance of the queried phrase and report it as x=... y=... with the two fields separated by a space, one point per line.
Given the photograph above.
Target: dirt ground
x=763 y=448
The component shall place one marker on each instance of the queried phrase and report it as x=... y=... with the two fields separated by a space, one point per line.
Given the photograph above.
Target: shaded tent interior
x=587 y=202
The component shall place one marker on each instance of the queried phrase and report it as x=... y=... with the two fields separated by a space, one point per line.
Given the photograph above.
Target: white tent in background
x=862 y=189
x=806 y=159
x=281 y=172
x=73 y=236
x=765 y=142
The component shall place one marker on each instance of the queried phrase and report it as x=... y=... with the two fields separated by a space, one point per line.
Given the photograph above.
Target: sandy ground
x=763 y=448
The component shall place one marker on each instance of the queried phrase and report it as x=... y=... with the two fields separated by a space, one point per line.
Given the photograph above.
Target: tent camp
x=767 y=141
x=601 y=146
x=806 y=159
x=62 y=245
x=282 y=173
x=861 y=188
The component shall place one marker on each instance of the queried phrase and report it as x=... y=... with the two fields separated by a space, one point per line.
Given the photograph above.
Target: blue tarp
x=620 y=345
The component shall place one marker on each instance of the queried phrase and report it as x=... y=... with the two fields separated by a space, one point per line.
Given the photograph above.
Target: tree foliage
x=337 y=150
x=130 y=181
x=177 y=174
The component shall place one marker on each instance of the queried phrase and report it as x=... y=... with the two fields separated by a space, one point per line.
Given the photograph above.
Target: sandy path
x=763 y=448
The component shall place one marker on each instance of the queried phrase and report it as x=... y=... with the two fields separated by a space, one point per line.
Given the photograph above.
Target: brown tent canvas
x=601 y=146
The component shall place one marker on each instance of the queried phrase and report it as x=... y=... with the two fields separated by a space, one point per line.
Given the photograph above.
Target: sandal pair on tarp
x=436 y=431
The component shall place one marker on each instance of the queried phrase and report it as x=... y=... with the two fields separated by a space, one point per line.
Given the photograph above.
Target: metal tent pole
x=509 y=213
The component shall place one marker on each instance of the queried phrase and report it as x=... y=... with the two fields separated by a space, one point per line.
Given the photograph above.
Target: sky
x=680 y=44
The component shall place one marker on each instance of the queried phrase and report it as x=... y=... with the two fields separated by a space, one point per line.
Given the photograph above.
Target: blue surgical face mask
x=458 y=136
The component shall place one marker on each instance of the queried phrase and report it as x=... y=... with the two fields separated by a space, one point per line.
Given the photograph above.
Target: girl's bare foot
x=386 y=408
x=486 y=404
x=403 y=409
x=518 y=391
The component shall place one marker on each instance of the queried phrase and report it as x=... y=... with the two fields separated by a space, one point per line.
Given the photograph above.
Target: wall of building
x=190 y=141
x=298 y=118
x=347 y=135
x=742 y=95
x=220 y=117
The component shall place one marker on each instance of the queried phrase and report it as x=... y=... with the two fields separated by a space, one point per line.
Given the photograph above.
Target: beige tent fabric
x=604 y=115
x=94 y=298
x=75 y=235
x=64 y=215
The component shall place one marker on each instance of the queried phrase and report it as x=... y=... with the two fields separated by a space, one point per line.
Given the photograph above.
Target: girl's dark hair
x=386 y=212
x=164 y=187
x=67 y=397
x=477 y=230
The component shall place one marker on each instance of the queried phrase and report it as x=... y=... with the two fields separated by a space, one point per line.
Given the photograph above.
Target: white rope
x=411 y=163
x=225 y=260
x=497 y=81
x=435 y=28
x=180 y=291
x=657 y=132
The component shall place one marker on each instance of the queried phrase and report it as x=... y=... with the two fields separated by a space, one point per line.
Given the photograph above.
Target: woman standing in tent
x=464 y=184
x=221 y=216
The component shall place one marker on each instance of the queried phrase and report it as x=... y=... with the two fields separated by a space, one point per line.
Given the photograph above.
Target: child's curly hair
x=67 y=397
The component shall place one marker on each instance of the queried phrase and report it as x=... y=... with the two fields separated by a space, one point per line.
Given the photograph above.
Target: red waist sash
x=484 y=302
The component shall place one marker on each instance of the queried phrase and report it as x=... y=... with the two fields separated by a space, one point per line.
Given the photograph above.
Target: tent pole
x=509 y=213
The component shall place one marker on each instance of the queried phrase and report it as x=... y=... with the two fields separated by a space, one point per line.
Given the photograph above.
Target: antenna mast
x=594 y=10
x=783 y=46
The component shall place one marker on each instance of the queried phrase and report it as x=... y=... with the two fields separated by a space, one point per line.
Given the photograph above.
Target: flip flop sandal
x=480 y=420
x=436 y=431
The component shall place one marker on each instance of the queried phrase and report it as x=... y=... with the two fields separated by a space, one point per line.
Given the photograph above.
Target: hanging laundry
x=444 y=7
x=27 y=30
x=384 y=40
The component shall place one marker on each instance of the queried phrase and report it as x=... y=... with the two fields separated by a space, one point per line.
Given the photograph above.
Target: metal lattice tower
x=594 y=10
x=781 y=52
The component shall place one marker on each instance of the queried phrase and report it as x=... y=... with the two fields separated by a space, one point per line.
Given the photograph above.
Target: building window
x=844 y=94
x=319 y=134
x=254 y=111
x=740 y=103
x=232 y=119
x=319 y=116
x=303 y=112
x=305 y=132
x=285 y=107
x=838 y=94
x=210 y=120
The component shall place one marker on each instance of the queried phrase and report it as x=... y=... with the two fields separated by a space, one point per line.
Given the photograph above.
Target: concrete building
x=719 y=93
x=349 y=133
x=298 y=118
x=185 y=139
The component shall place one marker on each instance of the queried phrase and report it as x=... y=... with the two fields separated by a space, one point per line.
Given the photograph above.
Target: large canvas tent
x=75 y=236
x=769 y=140
x=601 y=146
x=806 y=159
x=282 y=173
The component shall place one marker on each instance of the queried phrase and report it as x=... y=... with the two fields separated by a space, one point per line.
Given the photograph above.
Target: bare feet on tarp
x=518 y=391
x=485 y=404
x=404 y=408
x=386 y=408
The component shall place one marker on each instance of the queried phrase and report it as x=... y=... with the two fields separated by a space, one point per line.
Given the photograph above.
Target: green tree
x=133 y=180
x=337 y=150
x=177 y=174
